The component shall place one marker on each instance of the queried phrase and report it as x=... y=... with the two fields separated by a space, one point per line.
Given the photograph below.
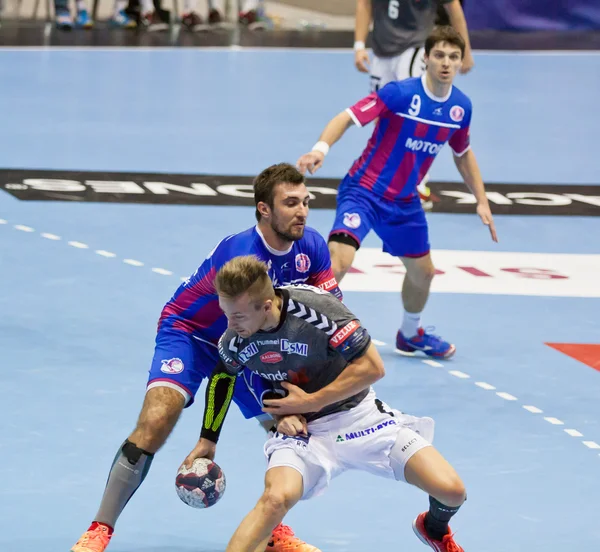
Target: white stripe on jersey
x=435 y=123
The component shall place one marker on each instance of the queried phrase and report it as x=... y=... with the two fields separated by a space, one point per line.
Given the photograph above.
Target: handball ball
x=202 y=485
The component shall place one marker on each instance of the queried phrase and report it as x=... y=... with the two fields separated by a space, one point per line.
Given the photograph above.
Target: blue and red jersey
x=412 y=127
x=194 y=308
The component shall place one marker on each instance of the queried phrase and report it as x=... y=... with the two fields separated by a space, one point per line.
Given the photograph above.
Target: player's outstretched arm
x=356 y=377
x=469 y=169
x=334 y=130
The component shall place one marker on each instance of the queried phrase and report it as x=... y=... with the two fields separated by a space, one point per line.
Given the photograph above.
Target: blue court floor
x=519 y=420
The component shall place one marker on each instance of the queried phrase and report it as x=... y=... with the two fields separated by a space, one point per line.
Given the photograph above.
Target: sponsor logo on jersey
x=457 y=113
x=365 y=432
x=248 y=352
x=302 y=263
x=423 y=145
x=172 y=366
x=352 y=220
x=271 y=357
x=273 y=376
x=294 y=348
x=344 y=333
x=329 y=284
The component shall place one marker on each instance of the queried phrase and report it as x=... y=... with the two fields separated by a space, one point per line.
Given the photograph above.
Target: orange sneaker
x=447 y=544
x=95 y=539
x=284 y=540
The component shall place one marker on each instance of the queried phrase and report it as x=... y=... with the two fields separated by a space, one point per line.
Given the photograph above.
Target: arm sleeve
x=366 y=110
x=219 y=393
x=219 y=390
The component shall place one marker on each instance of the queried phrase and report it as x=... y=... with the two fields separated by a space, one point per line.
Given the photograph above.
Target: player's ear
x=263 y=209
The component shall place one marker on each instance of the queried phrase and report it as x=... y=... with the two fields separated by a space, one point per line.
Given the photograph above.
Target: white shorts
x=360 y=439
x=408 y=64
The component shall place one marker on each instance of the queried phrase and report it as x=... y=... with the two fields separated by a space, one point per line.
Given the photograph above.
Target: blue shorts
x=401 y=225
x=182 y=361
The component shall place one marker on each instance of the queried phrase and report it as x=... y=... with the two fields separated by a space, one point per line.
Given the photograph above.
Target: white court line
x=591 y=444
x=2 y=221
x=573 y=433
x=133 y=262
x=53 y=237
x=78 y=245
x=533 y=409
x=433 y=363
x=106 y=254
x=506 y=396
x=484 y=385
x=554 y=421
x=162 y=271
x=459 y=374
x=377 y=342
x=24 y=228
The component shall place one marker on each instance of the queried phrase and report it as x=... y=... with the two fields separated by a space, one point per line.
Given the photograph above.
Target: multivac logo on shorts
x=172 y=366
x=302 y=263
x=352 y=220
x=364 y=432
x=457 y=113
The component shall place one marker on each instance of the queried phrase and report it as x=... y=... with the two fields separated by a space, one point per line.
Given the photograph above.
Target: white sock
x=80 y=5
x=410 y=324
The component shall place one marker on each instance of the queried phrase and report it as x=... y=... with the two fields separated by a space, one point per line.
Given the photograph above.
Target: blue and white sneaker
x=83 y=20
x=122 y=20
x=429 y=344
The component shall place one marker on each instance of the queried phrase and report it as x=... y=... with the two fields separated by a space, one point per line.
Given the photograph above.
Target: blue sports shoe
x=429 y=344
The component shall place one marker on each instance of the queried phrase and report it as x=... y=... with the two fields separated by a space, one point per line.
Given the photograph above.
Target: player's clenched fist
x=310 y=162
x=292 y=425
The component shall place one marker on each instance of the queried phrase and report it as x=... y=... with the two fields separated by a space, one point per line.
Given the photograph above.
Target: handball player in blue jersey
x=189 y=329
x=415 y=118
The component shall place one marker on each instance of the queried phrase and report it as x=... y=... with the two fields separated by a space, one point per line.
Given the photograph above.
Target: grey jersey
x=315 y=340
x=402 y=24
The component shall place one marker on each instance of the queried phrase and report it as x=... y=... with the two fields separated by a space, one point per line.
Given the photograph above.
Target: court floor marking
x=511 y=398
x=455 y=373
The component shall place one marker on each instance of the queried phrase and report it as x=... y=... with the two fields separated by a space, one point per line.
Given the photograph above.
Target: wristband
x=321 y=146
x=359 y=45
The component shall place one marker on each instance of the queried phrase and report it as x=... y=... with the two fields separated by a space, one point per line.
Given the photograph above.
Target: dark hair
x=265 y=182
x=446 y=34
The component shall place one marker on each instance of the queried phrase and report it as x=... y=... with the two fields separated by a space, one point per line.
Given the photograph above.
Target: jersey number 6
x=393 y=11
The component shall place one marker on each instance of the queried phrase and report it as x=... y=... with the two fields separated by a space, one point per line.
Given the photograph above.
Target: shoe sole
x=421 y=538
x=445 y=356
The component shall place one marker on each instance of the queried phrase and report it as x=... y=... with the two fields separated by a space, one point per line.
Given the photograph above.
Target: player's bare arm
x=334 y=130
x=456 y=15
x=357 y=376
x=361 y=31
x=469 y=170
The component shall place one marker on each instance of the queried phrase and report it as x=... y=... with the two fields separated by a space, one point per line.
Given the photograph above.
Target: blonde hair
x=247 y=274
